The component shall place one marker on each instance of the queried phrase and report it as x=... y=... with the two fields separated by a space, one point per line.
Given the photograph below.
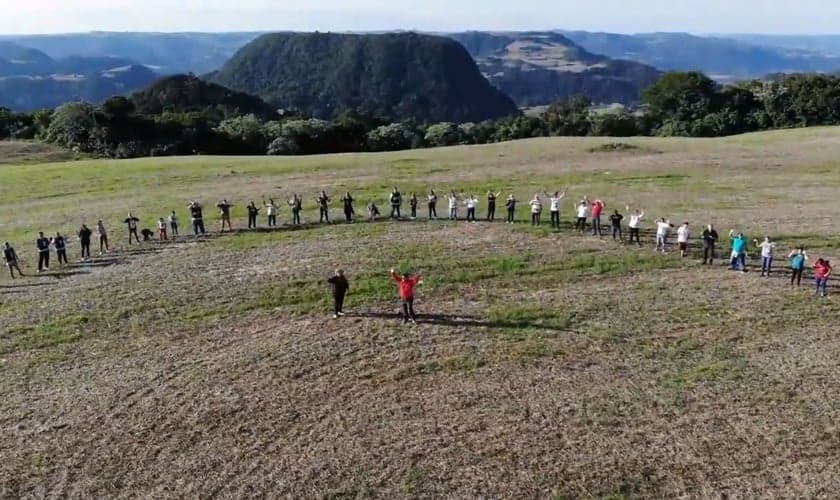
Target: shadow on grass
x=463 y=321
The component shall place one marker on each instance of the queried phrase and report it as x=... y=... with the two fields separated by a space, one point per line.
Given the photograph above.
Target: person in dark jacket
x=412 y=203
x=253 y=211
x=84 y=241
x=197 y=216
x=224 y=207
x=60 y=245
x=340 y=287
x=131 y=221
x=348 y=206
x=324 y=206
x=615 y=220
x=396 y=203
x=11 y=258
x=510 y=204
x=43 y=244
x=296 y=204
x=432 y=200
x=710 y=238
x=491 y=205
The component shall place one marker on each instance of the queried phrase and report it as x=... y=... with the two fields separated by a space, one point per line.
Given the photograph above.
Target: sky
x=621 y=16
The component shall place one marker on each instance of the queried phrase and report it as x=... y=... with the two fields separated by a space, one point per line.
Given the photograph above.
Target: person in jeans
x=43 y=244
x=663 y=228
x=471 y=203
x=510 y=204
x=798 y=258
x=396 y=202
x=822 y=271
x=296 y=204
x=196 y=214
x=739 y=251
x=710 y=238
x=339 y=286
x=432 y=199
x=84 y=241
x=11 y=258
x=582 y=211
x=60 y=245
x=406 y=284
x=635 y=224
x=103 y=237
x=252 y=214
x=271 y=209
x=615 y=222
x=554 y=202
x=173 y=224
x=491 y=205
x=767 y=248
x=453 y=205
x=536 y=210
x=597 y=208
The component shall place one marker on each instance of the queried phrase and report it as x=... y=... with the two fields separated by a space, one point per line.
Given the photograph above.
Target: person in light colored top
x=582 y=212
x=683 y=235
x=173 y=224
x=635 y=223
x=471 y=202
x=271 y=210
x=103 y=237
x=798 y=258
x=536 y=210
x=161 y=224
x=453 y=205
x=767 y=249
x=663 y=228
x=431 y=199
x=554 y=207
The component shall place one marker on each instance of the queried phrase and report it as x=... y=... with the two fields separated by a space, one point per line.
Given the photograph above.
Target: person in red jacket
x=597 y=208
x=406 y=284
x=822 y=270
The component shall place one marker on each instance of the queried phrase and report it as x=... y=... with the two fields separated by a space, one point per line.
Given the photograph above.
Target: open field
x=546 y=364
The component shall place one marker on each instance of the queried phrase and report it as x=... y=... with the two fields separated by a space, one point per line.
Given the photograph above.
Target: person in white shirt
x=161 y=224
x=554 y=207
x=767 y=248
x=663 y=227
x=173 y=224
x=635 y=224
x=683 y=235
x=536 y=210
x=471 y=202
x=271 y=209
x=453 y=205
x=432 y=200
x=582 y=211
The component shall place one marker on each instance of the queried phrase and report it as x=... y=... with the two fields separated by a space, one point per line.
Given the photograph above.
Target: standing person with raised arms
x=347 y=200
x=738 y=260
x=84 y=241
x=103 y=237
x=406 y=284
x=663 y=228
x=798 y=258
x=253 y=211
x=597 y=207
x=432 y=199
x=635 y=224
x=767 y=249
x=453 y=205
x=683 y=235
x=710 y=238
x=510 y=204
x=296 y=204
x=554 y=207
x=471 y=203
x=197 y=216
x=412 y=204
x=536 y=210
x=224 y=207
x=615 y=222
x=271 y=209
x=396 y=203
x=323 y=207
x=11 y=258
x=582 y=210
x=131 y=221
x=491 y=205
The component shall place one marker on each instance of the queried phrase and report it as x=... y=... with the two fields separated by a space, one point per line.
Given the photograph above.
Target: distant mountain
x=187 y=93
x=720 y=58
x=16 y=59
x=397 y=76
x=827 y=45
x=537 y=68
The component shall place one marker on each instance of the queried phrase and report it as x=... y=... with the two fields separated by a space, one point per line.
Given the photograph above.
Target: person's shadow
x=464 y=321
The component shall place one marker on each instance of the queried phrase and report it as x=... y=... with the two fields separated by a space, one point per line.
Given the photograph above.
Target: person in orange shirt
x=406 y=284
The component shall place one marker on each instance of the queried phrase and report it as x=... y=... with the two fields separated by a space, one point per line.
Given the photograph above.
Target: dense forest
x=185 y=115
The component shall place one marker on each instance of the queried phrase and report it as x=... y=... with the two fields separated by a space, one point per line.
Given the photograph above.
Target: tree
x=75 y=126
x=443 y=134
x=393 y=137
x=682 y=96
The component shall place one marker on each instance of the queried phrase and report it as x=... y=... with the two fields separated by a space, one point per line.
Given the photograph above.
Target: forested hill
x=395 y=76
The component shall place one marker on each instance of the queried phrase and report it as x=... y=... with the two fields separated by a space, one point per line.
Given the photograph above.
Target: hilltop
x=396 y=75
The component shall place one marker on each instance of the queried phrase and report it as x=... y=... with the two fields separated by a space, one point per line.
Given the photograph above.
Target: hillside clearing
x=546 y=364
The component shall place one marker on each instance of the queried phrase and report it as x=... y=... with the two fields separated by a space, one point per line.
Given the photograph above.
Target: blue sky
x=625 y=16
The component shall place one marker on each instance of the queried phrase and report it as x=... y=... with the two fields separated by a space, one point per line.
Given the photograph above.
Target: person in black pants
x=84 y=240
x=491 y=205
x=11 y=258
x=432 y=199
x=197 y=217
x=132 y=221
x=615 y=220
x=339 y=286
x=412 y=203
x=710 y=238
x=396 y=203
x=252 y=215
x=348 y=206
x=324 y=207
x=60 y=245
x=43 y=244
x=510 y=204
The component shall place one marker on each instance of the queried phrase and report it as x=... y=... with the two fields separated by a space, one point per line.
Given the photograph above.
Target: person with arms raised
x=554 y=202
x=597 y=207
x=131 y=221
x=471 y=203
x=798 y=258
x=224 y=207
x=323 y=207
x=406 y=284
x=253 y=211
x=453 y=205
x=491 y=205
x=635 y=224
x=582 y=210
x=197 y=217
x=271 y=209
x=510 y=204
x=536 y=210
x=767 y=249
x=296 y=205
x=663 y=228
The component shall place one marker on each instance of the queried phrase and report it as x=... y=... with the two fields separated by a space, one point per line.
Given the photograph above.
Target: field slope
x=546 y=364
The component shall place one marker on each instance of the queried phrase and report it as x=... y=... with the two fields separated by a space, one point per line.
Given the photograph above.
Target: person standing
x=491 y=205
x=510 y=204
x=406 y=284
x=412 y=204
x=710 y=238
x=296 y=204
x=635 y=224
x=11 y=258
x=798 y=258
x=197 y=216
x=60 y=245
x=822 y=271
x=536 y=210
x=739 y=251
x=173 y=224
x=432 y=202
x=663 y=227
x=271 y=209
x=373 y=211
x=347 y=201
x=103 y=237
x=84 y=241
x=767 y=249
x=323 y=207
x=471 y=203
x=43 y=244
x=615 y=221
x=340 y=287
x=554 y=207
x=683 y=235
x=396 y=203
x=453 y=206
x=597 y=208
x=162 y=236
x=224 y=207
x=131 y=221
x=582 y=211
x=252 y=214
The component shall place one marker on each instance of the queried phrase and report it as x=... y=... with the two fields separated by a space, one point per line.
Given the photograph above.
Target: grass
x=545 y=363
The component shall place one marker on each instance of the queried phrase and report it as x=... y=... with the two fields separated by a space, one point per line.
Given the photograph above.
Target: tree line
x=687 y=104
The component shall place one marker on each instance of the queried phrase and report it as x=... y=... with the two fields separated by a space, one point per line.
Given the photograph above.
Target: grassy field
x=545 y=365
